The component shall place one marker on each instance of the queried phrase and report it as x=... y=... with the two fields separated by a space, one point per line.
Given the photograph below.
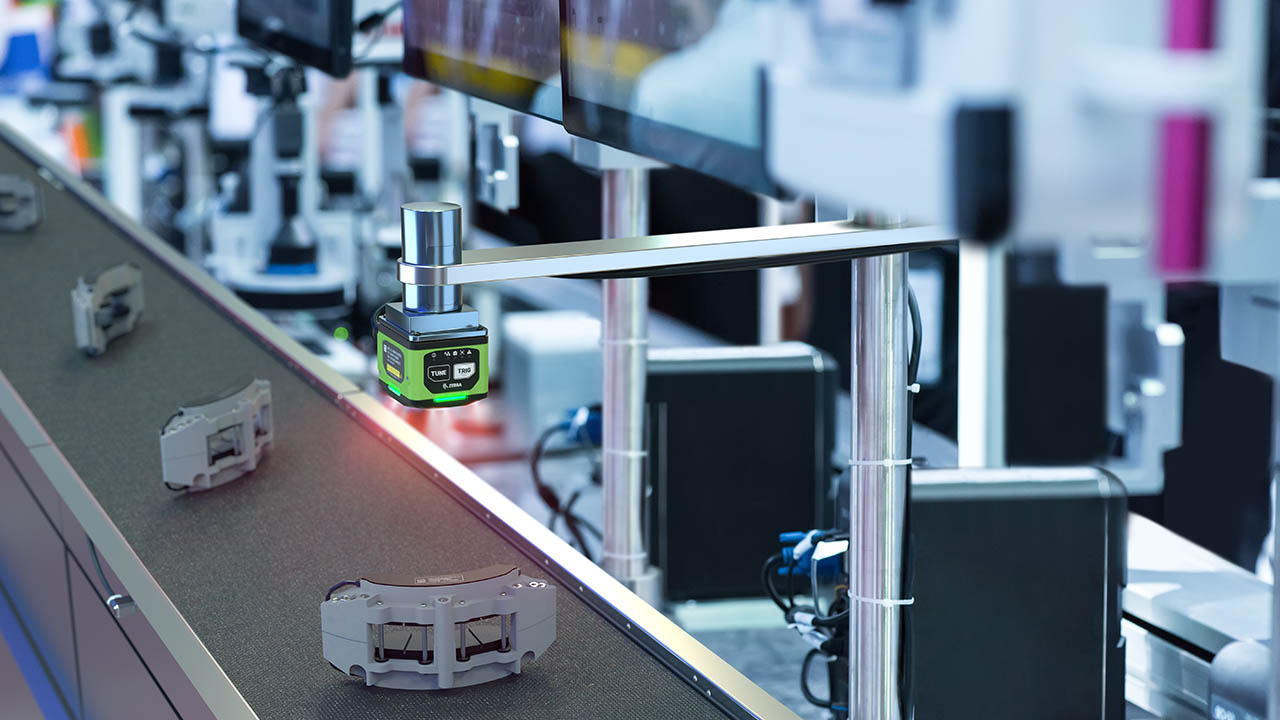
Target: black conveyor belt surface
x=247 y=564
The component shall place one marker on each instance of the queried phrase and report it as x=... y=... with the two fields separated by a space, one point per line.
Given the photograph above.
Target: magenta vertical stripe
x=1183 y=193
x=1184 y=147
x=1190 y=25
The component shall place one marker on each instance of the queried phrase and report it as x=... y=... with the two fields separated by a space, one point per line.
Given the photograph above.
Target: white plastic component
x=436 y=632
x=211 y=443
x=106 y=306
x=552 y=365
x=863 y=97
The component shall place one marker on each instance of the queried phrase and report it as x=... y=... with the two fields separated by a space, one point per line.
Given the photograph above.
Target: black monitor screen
x=503 y=51
x=313 y=32
x=676 y=80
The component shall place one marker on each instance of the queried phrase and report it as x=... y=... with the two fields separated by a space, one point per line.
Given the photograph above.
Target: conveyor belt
x=248 y=563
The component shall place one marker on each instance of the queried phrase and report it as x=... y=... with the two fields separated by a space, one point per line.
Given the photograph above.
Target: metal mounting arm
x=678 y=254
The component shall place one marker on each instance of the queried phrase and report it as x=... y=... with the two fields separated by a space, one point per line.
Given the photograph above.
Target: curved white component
x=438 y=632
x=210 y=443
x=106 y=306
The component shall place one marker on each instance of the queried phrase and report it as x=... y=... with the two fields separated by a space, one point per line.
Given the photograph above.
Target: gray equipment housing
x=387 y=630
x=106 y=306
x=209 y=443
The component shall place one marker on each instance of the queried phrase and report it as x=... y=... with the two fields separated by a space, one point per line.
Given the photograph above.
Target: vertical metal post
x=309 y=190
x=879 y=464
x=771 y=280
x=265 y=202
x=122 y=179
x=372 y=172
x=196 y=179
x=625 y=206
x=980 y=423
x=1273 y=696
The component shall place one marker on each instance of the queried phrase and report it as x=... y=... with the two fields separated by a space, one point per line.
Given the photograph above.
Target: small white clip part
x=210 y=443
x=106 y=306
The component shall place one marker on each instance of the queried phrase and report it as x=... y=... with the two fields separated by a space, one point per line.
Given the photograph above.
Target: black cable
x=571 y=523
x=374 y=20
x=97 y=565
x=263 y=116
x=578 y=519
x=791 y=581
x=589 y=527
x=545 y=492
x=831 y=620
x=372 y=25
x=335 y=587
x=913 y=363
x=574 y=523
x=822 y=621
x=906 y=639
x=767 y=572
x=804 y=680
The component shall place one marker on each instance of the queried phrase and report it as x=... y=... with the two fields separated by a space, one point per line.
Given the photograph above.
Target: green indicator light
x=395 y=390
x=450 y=398
x=341 y=333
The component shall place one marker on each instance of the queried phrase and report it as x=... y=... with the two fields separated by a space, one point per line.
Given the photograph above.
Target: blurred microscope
x=267 y=142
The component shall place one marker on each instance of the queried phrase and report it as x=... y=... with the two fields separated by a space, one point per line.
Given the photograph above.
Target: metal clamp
x=106 y=305
x=433 y=632
x=212 y=442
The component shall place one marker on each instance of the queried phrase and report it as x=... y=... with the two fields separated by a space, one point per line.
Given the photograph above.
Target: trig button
x=463 y=371
x=438 y=372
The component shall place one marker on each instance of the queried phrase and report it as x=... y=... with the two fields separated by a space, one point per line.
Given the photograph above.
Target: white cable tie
x=626 y=556
x=882 y=602
x=626 y=453
x=880 y=463
x=628 y=341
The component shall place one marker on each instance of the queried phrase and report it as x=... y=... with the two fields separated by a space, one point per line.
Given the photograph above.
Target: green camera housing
x=433 y=370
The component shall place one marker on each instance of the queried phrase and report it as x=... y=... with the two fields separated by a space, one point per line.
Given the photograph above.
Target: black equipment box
x=740 y=444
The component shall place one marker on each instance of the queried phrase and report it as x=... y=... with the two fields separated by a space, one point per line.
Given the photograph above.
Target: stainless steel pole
x=878 y=492
x=771 y=280
x=625 y=199
x=1273 y=696
x=372 y=172
x=122 y=155
x=980 y=426
x=196 y=176
x=1273 y=700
